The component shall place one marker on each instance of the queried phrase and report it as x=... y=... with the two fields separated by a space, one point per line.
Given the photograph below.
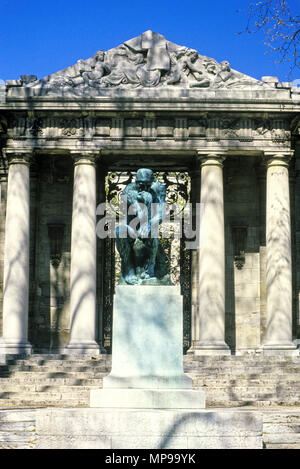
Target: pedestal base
x=148 y=398
x=147 y=429
x=147 y=339
x=180 y=381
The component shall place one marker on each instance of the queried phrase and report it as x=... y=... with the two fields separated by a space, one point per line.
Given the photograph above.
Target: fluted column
x=16 y=256
x=83 y=322
x=279 y=263
x=211 y=314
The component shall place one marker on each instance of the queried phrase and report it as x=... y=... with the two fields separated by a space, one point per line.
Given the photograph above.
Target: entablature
x=147 y=129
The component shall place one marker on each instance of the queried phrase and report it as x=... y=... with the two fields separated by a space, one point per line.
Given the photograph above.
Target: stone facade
x=150 y=103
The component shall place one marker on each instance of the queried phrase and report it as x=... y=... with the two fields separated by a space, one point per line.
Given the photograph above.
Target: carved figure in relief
x=140 y=62
x=137 y=237
x=98 y=69
x=224 y=74
x=185 y=65
x=126 y=68
x=228 y=78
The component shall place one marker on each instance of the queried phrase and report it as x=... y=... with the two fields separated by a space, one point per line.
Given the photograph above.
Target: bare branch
x=280 y=26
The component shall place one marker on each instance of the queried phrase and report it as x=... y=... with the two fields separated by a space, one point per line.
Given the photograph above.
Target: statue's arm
x=129 y=194
x=193 y=67
x=160 y=190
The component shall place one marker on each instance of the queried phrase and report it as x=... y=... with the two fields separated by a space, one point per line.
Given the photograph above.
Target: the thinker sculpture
x=142 y=257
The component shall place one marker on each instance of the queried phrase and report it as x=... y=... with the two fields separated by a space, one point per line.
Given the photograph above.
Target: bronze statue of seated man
x=137 y=237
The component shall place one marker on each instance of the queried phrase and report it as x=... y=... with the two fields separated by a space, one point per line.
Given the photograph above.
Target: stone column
x=16 y=256
x=101 y=175
x=211 y=314
x=83 y=323
x=279 y=263
x=195 y=200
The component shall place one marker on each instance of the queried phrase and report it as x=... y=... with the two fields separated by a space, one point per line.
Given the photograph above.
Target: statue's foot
x=144 y=275
x=131 y=279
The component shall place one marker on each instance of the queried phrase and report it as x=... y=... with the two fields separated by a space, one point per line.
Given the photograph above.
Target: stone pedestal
x=147 y=358
x=145 y=429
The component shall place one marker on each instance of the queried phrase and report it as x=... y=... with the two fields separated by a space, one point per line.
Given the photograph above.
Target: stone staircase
x=248 y=380
x=51 y=380
x=231 y=381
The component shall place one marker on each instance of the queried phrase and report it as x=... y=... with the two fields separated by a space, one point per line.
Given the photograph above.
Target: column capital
x=18 y=155
x=211 y=158
x=277 y=158
x=87 y=157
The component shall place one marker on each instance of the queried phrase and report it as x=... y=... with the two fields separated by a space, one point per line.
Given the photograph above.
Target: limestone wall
x=242 y=208
x=49 y=292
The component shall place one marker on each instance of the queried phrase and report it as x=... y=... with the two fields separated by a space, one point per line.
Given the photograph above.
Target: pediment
x=146 y=61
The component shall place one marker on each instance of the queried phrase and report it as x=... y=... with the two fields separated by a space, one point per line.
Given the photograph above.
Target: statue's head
x=144 y=178
x=225 y=66
x=99 y=55
x=193 y=54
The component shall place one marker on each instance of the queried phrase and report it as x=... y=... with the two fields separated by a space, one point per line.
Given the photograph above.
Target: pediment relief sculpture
x=148 y=61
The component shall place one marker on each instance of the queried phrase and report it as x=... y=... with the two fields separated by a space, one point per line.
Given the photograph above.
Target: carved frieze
x=197 y=127
x=149 y=129
x=102 y=127
x=35 y=127
x=210 y=127
x=230 y=127
x=133 y=127
x=165 y=127
x=69 y=127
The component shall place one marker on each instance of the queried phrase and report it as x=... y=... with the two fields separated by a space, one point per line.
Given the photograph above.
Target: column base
x=285 y=348
x=82 y=348
x=10 y=347
x=209 y=348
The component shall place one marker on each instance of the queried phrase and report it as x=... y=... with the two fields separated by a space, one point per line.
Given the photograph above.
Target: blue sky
x=40 y=38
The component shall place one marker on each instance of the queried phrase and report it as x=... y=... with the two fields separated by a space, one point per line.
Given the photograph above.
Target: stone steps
x=49 y=369
x=12 y=387
x=78 y=398
x=33 y=380
x=41 y=375
x=228 y=381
